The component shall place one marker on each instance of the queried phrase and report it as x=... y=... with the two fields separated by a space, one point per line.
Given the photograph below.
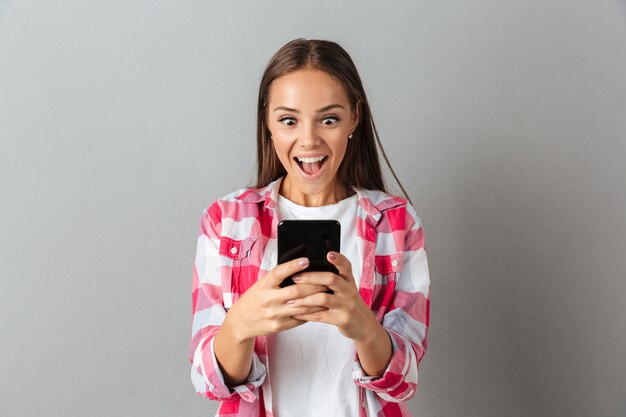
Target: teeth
x=311 y=160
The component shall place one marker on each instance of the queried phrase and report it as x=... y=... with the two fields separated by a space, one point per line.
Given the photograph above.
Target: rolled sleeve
x=209 y=380
x=399 y=380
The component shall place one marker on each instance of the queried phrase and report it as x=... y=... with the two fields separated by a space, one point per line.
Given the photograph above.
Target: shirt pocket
x=387 y=268
x=237 y=273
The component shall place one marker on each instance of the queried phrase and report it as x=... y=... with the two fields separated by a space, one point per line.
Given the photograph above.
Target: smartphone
x=311 y=239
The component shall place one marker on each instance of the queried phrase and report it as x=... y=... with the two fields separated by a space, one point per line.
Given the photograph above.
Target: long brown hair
x=360 y=167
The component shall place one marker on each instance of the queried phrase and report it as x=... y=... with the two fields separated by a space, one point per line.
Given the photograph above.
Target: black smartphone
x=311 y=239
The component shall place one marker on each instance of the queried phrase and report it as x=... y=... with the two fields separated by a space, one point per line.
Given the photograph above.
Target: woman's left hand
x=345 y=308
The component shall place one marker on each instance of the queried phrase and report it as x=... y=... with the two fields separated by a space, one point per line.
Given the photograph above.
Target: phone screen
x=312 y=239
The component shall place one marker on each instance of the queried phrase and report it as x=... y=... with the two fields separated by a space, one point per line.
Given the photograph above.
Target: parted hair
x=360 y=167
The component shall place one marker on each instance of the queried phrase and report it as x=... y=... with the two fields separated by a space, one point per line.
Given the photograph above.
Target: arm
x=224 y=363
x=374 y=352
x=406 y=319
x=208 y=317
x=388 y=352
x=234 y=355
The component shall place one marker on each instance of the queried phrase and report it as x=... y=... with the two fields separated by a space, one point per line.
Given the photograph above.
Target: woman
x=302 y=350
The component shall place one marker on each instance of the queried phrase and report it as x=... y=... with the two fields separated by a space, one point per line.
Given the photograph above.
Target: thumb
x=342 y=264
x=277 y=275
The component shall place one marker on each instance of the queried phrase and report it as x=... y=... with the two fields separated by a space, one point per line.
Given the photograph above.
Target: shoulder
x=244 y=202
x=389 y=208
x=381 y=199
x=241 y=196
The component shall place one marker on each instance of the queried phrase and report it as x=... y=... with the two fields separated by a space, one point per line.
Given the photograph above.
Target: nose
x=309 y=136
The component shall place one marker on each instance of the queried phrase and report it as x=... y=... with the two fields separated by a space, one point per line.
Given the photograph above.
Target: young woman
x=301 y=350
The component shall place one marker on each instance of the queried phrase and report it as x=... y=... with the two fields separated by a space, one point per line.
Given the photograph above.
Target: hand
x=263 y=308
x=345 y=308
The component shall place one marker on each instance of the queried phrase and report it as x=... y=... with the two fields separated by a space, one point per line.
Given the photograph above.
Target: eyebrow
x=323 y=109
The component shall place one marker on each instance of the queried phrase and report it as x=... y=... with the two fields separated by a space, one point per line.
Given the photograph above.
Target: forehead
x=306 y=88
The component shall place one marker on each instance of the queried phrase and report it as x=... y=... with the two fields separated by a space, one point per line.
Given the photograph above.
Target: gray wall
x=121 y=121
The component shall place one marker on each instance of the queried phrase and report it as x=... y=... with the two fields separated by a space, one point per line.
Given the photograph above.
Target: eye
x=288 y=121
x=330 y=120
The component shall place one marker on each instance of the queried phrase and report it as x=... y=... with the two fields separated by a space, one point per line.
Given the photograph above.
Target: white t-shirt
x=311 y=365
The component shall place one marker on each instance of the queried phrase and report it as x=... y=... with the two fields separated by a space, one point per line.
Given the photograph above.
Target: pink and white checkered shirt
x=235 y=235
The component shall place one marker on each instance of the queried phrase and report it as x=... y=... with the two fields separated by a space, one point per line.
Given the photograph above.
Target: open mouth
x=311 y=166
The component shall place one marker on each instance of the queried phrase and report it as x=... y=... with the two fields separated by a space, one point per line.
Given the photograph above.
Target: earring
x=351 y=136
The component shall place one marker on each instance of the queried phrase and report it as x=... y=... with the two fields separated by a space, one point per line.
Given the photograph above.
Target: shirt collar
x=372 y=202
x=268 y=194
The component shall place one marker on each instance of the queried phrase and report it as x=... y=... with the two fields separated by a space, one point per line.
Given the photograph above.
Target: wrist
x=374 y=351
x=372 y=332
x=236 y=333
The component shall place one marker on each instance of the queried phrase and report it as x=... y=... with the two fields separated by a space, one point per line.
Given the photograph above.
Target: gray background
x=121 y=121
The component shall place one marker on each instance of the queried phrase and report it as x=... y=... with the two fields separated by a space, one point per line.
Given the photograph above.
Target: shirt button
x=394 y=263
x=368 y=264
x=233 y=250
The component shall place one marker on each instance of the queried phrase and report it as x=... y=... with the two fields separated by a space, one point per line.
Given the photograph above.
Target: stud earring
x=351 y=136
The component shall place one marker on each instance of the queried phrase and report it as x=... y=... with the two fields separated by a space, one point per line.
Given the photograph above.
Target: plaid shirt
x=237 y=246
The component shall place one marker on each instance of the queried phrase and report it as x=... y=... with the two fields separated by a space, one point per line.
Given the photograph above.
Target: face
x=310 y=118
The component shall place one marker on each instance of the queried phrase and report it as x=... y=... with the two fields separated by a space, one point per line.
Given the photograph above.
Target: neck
x=333 y=194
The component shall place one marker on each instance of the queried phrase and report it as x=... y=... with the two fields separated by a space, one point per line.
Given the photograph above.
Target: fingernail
x=331 y=256
x=296 y=278
x=303 y=262
x=290 y=302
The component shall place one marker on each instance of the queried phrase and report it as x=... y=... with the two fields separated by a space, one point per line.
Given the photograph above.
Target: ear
x=356 y=116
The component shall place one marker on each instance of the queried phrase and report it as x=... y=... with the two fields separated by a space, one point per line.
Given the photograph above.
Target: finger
x=287 y=311
x=284 y=270
x=342 y=264
x=327 y=279
x=316 y=314
x=287 y=323
x=319 y=316
x=320 y=299
x=293 y=292
x=302 y=311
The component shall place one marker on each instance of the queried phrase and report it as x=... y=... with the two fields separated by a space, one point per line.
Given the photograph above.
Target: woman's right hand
x=263 y=309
